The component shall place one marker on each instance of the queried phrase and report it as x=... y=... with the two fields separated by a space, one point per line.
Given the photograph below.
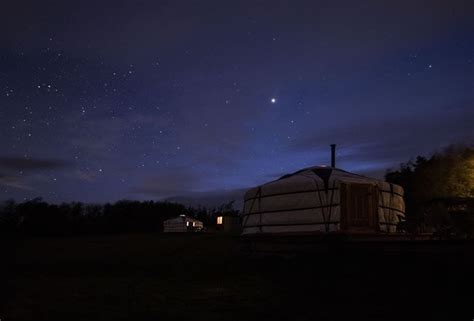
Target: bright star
x=273 y=100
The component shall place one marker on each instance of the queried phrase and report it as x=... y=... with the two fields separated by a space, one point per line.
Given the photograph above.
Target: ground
x=205 y=276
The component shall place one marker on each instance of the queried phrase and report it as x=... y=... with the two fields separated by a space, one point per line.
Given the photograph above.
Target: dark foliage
x=38 y=218
x=436 y=187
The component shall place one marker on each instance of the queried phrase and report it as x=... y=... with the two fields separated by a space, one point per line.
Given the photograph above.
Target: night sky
x=106 y=100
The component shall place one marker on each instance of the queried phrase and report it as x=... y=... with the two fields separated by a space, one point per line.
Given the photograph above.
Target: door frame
x=346 y=193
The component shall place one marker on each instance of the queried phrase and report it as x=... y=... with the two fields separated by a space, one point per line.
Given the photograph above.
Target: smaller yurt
x=182 y=223
x=323 y=200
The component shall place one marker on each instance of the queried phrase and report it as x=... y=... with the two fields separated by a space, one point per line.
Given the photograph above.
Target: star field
x=155 y=99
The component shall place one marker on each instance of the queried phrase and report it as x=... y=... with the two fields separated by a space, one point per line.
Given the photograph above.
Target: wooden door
x=359 y=205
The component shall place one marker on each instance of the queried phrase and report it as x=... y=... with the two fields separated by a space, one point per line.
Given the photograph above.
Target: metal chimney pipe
x=333 y=155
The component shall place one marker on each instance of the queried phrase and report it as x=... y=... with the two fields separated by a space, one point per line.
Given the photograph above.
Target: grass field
x=206 y=277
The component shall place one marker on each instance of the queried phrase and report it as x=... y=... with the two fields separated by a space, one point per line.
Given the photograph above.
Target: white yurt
x=323 y=200
x=182 y=223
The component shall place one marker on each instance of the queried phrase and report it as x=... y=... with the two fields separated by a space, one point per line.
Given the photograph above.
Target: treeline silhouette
x=39 y=218
x=439 y=191
x=439 y=197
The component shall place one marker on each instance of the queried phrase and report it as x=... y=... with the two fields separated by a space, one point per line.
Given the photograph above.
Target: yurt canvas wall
x=182 y=223
x=323 y=199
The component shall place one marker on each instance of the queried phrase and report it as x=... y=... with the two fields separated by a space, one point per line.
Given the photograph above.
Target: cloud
x=211 y=198
x=84 y=176
x=14 y=181
x=170 y=183
x=21 y=163
x=22 y=173
x=375 y=145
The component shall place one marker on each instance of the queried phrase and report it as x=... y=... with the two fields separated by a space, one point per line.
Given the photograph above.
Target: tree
x=445 y=175
x=9 y=221
x=38 y=218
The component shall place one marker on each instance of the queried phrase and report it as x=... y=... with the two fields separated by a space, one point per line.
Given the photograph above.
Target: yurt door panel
x=359 y=207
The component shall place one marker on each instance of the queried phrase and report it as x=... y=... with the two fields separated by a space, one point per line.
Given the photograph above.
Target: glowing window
x=194 y=223
x=219 y=220
x=187 y=223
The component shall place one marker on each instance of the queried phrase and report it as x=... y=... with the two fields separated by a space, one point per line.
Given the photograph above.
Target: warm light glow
x=219 y=220
x=187 y=223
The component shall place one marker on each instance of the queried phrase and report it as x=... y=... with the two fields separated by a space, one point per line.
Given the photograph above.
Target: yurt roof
x=324 y=177
x=182 y=218
x=323 y=171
